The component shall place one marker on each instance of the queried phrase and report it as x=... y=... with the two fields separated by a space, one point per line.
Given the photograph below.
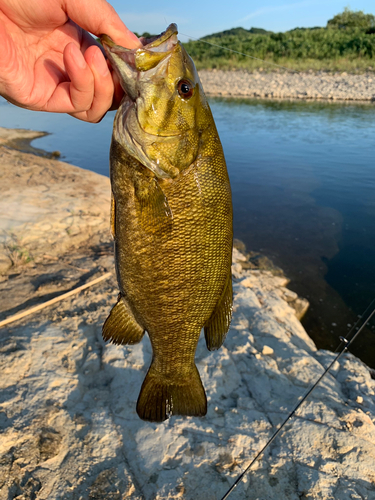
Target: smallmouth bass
x=171 y=220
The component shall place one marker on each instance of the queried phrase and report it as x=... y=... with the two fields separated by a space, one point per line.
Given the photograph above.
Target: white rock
x=238 y=256
x=94 y=441
x=70 y=428
x=267 y=351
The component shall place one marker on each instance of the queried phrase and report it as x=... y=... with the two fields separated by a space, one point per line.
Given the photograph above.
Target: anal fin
x=121 y=327
x=216 y=328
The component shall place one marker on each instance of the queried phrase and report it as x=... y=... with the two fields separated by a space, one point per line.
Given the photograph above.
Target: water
x=83 y=144
x=303 y=182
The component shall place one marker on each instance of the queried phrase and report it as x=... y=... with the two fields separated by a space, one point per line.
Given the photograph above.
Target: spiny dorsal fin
x=121 y=327
x=216 y=328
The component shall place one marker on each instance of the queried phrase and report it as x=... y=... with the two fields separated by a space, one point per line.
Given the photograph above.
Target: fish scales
x=172 y=231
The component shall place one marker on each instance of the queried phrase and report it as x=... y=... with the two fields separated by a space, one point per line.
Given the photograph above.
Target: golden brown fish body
x=172 y=224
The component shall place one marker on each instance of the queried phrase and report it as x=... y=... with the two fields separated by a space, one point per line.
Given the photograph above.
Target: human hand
x=48 y=60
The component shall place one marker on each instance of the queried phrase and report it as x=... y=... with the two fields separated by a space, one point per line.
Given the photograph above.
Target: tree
x=352 y=19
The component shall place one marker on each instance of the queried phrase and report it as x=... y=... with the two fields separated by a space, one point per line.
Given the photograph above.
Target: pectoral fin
x=121 y=327
x=155 y=212
x=216 y=328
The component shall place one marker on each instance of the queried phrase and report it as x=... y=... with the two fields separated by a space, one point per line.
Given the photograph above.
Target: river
x=303 y=182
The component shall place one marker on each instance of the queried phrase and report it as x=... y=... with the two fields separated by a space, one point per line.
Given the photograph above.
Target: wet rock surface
x=68 y=423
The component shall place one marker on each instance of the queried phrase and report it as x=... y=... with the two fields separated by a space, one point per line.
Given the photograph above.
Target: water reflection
x=303 y=184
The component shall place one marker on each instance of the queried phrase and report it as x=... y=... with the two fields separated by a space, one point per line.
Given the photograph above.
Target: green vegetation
x=347 y=43
x=145 y=34
x=353 y=19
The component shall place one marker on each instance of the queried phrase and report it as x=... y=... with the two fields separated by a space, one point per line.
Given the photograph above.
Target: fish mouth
x=139 y=71
x=163 y=42
x=160 y=43
x=129 y=62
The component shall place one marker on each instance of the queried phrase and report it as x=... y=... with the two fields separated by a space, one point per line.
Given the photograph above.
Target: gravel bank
x=339 y=86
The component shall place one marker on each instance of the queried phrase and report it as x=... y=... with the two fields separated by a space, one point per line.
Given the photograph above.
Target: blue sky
x=198 y=18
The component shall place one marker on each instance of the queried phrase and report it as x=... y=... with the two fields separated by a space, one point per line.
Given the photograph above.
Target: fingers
x=102 y=87
x=76 y=95
x=81 y=78
x=101 y=18
x=89 y=94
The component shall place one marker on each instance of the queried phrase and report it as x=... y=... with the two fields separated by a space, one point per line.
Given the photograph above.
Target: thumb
x=99 y=17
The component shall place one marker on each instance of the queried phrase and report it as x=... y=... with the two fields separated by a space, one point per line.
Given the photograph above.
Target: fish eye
x=185 y=89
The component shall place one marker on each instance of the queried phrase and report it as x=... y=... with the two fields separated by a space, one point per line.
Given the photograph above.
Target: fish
x=171 y=220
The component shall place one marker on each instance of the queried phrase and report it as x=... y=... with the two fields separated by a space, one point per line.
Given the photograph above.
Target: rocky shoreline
x=68 y=423
x=284 y=85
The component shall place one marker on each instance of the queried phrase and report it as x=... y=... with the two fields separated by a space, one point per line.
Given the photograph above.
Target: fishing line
x=344 y=340
x=346 y=343
x=241 y=53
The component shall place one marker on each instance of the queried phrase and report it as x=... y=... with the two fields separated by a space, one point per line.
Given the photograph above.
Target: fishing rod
x=341 y=349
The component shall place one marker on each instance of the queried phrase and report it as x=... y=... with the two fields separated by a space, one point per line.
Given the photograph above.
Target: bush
x=350 y=19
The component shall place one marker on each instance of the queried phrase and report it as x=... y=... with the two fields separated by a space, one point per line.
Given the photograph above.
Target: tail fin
x=160 y=397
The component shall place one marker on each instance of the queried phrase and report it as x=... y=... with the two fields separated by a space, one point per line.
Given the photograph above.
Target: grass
x=17 y=252
x=19 y=255
x=353 y=66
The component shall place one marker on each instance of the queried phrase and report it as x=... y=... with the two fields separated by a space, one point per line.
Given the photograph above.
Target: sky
x=196 y=18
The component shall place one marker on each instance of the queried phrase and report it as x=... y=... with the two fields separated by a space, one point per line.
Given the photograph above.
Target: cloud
x=278 y=8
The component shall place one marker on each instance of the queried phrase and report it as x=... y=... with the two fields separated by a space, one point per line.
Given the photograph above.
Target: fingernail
x=78 y=57
x=127 y=39
x=101 y=64
x=134 y=40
